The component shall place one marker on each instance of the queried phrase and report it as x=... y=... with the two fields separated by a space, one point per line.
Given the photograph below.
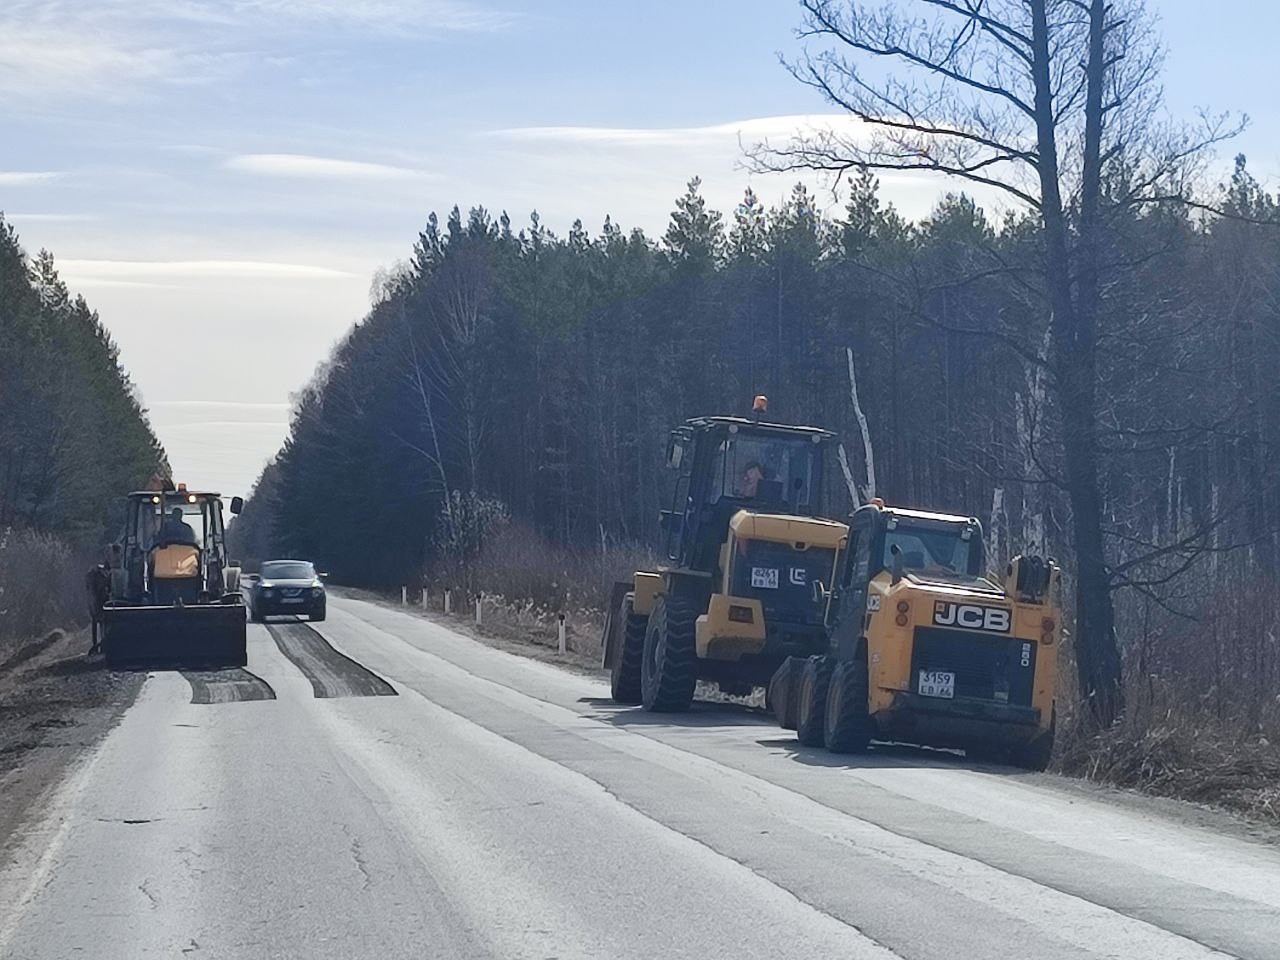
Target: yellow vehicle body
x=926 y=647
x=894 y=660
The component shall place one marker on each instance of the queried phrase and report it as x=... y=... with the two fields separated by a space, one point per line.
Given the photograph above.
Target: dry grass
x=1182 y=755
x=41 y=587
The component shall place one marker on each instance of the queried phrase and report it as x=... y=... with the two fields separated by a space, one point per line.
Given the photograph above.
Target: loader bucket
x=206 y=635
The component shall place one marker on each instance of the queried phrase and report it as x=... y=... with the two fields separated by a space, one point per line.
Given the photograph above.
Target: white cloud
x=110 y=48
x=80 y=271
x=622 y=170
x=47 y=217
x=749 y=131
x=39 y=60
x=21 y=178
x=221 y=404
x=323 y=168
x=442 y=15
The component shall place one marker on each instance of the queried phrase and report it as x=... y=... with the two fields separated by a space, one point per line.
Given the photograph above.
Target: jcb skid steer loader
x=744 y=552
x=924 y=648
x=174 y=595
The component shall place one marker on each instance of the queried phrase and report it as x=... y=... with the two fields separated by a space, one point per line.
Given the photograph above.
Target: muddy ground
x=55 y=704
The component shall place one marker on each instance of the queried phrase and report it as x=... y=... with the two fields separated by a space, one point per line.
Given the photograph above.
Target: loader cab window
x=929 y=547
x=780 y=471
x=154 y=513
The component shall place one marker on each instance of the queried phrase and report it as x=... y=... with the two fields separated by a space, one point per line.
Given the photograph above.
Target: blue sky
x=220 y=178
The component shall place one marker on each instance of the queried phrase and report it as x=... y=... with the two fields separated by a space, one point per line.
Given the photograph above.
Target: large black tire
x=849 y=727
x=255 y=616
x=624 y=675
x=317 y=616
x=784 y=687
x=669 y=668
x=811 y=710
x=1036 y=754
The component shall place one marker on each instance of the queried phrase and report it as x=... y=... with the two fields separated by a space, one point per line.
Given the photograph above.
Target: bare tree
x=1054 y=103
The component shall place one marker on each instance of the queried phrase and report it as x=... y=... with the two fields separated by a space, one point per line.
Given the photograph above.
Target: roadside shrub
x=523 y=567
x=41 y=587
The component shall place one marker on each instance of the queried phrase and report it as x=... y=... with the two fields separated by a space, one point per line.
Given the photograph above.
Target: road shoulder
x=56 y=705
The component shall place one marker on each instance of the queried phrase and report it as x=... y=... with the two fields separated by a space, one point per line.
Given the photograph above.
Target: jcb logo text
x=970 y=616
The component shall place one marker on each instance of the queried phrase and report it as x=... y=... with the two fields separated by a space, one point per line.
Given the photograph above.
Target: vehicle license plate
x=937 y=683
x=764 y=578
x=292 y=600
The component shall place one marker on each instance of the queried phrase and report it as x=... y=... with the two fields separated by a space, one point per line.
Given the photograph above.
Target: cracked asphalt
x=500 y=807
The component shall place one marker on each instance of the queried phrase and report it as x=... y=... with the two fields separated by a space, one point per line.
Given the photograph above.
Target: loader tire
x=849 y=727
x=624 y=675
x=669 y=668
x=784 y=687
x=1036 y=754
x=811 y=708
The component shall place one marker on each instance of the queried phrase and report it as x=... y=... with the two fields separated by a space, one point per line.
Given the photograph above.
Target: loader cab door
x=676 y=522
x=857 y=571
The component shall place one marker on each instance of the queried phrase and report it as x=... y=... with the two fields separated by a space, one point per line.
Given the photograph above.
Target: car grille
x=292 y=591
x=986 y=667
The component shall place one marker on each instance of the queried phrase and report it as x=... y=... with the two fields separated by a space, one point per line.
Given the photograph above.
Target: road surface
x=387 y=788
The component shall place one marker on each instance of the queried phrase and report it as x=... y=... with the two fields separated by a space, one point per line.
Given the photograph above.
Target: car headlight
x=316 y=591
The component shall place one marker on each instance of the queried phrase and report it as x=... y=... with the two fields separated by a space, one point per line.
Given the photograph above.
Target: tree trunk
x=1074 y=346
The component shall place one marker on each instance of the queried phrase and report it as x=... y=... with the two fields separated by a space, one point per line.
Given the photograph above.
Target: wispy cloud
x=221 y=405
x=111 y=48
x=321 y=168
x=441 y=15
x=49 y=217
x=124 y=270
x=21 y=178
x=750 y=130
x=38 y=60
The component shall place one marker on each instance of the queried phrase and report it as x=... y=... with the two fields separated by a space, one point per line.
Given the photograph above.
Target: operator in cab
x=176 y=530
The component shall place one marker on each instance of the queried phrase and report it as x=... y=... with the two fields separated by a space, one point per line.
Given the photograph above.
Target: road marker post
x=448 y=600
x=562 y=635
x=426 y=597
x=404 y=595
x=479 y=606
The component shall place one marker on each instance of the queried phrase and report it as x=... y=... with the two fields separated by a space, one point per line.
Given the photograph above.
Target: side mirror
x=675 y=452
x=897 y=562
x=237 y=504
x=233 y=563
x=820 y=592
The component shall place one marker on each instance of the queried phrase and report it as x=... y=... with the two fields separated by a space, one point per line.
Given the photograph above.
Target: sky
x=222 y=178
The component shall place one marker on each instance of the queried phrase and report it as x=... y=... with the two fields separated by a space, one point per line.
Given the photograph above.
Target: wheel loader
x=744 y=551
x=174 y=596
x=925 y=647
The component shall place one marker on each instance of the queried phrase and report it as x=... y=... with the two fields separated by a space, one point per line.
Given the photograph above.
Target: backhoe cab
x=744 y=551
x=174 y=596
x=925 y=648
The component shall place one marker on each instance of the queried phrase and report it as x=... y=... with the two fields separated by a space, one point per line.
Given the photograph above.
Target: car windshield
x=781 y=469
x=288 y=570
x=931 y=549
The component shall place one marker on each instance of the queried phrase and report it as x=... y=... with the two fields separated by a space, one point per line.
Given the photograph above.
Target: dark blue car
x=286 y=587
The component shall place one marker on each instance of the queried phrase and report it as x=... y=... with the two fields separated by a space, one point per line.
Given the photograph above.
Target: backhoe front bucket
x=205 y=635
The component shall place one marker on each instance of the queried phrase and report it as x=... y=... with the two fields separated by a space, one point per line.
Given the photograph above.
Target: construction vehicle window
x=927 y=549
x=760 y=468
x=157 y=524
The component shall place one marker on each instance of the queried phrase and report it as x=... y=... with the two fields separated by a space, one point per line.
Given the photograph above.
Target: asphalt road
x=402 y=791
